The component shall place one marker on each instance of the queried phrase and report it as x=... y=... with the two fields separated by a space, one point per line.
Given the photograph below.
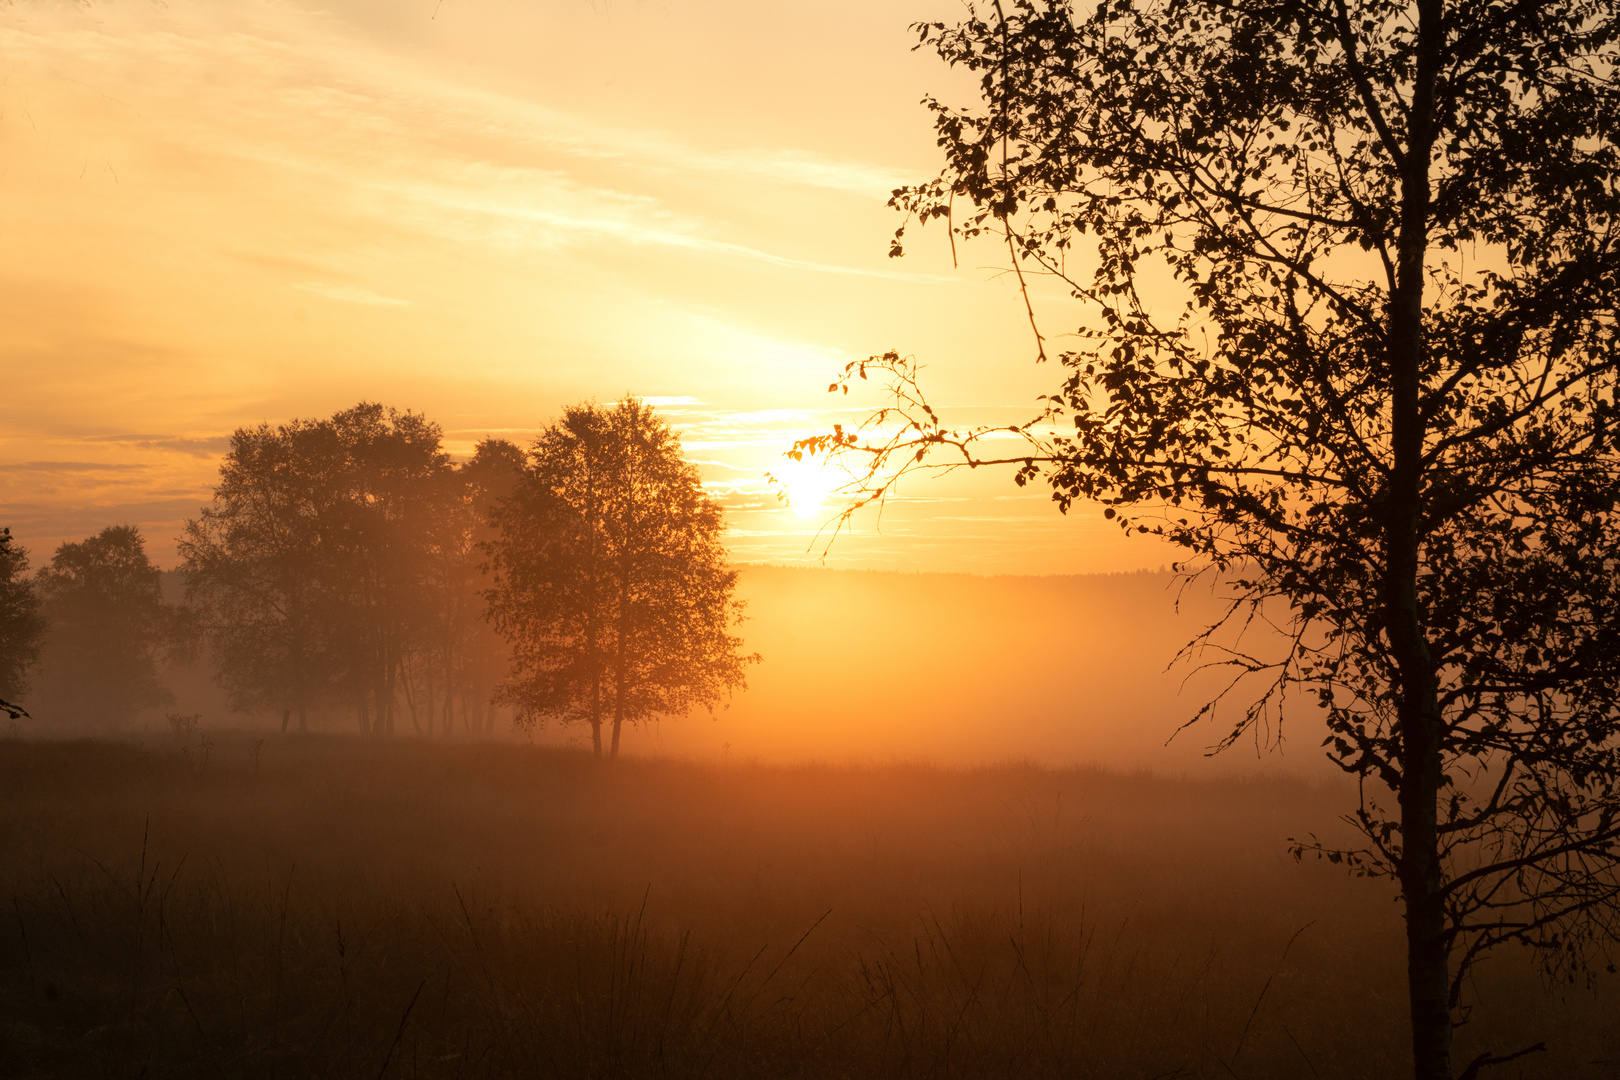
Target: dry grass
x=334 y=908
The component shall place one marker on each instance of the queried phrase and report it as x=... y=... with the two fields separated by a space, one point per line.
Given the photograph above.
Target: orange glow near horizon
x=483 y=210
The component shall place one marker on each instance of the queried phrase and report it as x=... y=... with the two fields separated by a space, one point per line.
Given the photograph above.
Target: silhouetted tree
x=460 y=657
x=103 y=599
x=609 y=577
x=491 y=476
x=310 y=567
x=257 y=568
x=391 y=468
x=22 y=626
x=1354 y=268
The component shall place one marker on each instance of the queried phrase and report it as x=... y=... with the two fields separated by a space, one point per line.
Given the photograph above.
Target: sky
x=214 y=214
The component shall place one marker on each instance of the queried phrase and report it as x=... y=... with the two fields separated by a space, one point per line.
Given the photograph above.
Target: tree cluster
x=610 y=579
x=348 y=564
x=338 y=566
x=22 y=626
x=91 y=628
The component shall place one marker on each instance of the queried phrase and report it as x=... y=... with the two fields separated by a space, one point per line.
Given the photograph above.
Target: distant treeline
x=348 y=564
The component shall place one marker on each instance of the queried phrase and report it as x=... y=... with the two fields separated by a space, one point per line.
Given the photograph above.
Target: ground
x=239 y=906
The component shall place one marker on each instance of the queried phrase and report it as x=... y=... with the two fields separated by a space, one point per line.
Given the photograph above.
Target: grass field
x=330 y=907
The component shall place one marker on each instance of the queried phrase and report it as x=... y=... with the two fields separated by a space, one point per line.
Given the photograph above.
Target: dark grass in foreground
x=336 y=908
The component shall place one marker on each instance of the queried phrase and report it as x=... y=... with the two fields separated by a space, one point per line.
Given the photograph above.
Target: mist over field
x=877 y=666
x=330 y=906
x=854 y=540
x=945 y=839
x=961 y=670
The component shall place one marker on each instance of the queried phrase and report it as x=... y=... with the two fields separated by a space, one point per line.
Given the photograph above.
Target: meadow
x=236 y=906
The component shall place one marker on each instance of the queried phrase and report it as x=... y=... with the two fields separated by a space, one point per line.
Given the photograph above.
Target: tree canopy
x=1350 y=271
x=253 y=562
x=22 y=626
x=336 y=565
x=609 y=577
x=459 y=654
x=108 y=624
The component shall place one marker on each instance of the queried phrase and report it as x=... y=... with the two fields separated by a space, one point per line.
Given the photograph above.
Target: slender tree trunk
x=412 y=693
x=385 y=689
x=627 y=542
x=591 y=612
x=429 y=709
x=286 y=718
x=300 y=673
x=1427 y=942
x=620 y=671
x=596 y=687
x=596 y=718
x=448 y=717
x=618 y=711
x=1428 y=974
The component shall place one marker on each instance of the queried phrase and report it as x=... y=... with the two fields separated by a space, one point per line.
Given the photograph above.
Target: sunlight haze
x=220 y=214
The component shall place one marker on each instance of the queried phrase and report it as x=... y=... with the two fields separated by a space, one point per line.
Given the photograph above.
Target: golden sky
x=213 y=214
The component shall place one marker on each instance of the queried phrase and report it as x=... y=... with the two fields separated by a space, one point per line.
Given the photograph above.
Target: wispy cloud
x=543 y=209
x=204 y=446
x=72 y=466
x=289 y=92
x=70 y=522
x=350 y=294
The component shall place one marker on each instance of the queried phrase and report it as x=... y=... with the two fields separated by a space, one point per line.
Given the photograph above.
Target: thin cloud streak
x=376 y=118
x=207 y=446
x=350 y=294
x=72 y=466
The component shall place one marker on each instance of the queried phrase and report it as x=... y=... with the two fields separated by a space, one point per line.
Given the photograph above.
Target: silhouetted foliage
x=336 y=566
x=1354 y=270
x=610 y=580
x=390 y=468
x=461 y=658
x=108 y=624
x=257 y=567
x=488 y=477
x=22 y=626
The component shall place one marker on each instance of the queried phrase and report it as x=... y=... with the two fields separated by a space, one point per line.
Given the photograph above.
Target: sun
x=805 y=486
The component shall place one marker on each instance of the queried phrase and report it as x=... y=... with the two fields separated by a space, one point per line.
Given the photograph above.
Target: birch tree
x=1346 y=274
